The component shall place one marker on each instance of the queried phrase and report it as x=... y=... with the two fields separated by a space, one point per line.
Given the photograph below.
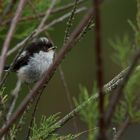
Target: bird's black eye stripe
x=38 y=45
x=49 y=44
x=43 y=43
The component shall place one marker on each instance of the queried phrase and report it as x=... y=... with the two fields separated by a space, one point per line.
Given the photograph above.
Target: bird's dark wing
x=21 y=61
x=26 y=55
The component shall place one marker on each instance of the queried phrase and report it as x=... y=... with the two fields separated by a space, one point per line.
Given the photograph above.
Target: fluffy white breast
x=37 y=65
x=42 y=60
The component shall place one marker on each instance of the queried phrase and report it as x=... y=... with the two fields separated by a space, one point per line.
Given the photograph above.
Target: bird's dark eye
x=49 y=45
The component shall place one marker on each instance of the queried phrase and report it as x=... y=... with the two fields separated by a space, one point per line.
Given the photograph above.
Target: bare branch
x=10 y=34
x=99 y=71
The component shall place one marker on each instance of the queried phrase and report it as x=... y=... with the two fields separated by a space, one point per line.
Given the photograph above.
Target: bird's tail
x=6 y=68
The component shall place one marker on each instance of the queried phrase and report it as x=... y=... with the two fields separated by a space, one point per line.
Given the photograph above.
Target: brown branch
x=99 y=71
x=45 y=79
x=10 y=34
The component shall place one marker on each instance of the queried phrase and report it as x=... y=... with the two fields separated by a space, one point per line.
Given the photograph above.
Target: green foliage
x=89 y=114
x=136 y=33
x=122 y=51
x=45 y=127
x=132 y=96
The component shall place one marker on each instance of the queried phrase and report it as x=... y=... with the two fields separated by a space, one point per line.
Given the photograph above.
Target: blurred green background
x=79 y=65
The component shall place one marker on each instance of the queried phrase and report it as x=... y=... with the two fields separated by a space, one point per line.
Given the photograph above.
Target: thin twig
x=40 y=15
x=21 y=122
x=8 y=9
x=47 y=75
x=54 y=22
x=89 y=27
x=67 y=91
x=14 y=96
x=33 y=117
x=33 y=8
x=10 y=34
x=118 y=92
x=128 y=118
x=122 y=129
x=66 y=37
x=70 y=22
x=48 y=12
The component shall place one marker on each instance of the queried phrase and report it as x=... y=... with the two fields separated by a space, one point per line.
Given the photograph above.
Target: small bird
x=33 y=61
x=30 y=66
